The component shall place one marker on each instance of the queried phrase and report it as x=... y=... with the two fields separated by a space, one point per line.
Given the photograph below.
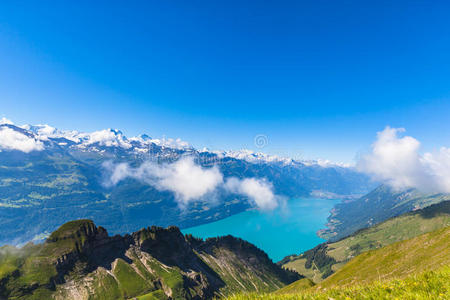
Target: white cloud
x=109 y=138
x=254 y=157
x=258 y=190
x=397 y=161
x=118 y=172
x=4 y=120
x=171 y=143
x=45 y=130
x=325 y=163
x=187 y=180
x=11 y=139
x=190 y=182
x=438 y=167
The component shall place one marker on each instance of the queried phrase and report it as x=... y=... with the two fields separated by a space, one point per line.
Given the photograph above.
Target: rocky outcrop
x=84 y=261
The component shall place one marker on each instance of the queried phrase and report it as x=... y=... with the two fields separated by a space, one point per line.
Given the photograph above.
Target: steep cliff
x=80 y=261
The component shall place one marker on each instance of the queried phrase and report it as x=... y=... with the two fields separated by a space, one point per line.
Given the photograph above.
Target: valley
x=327 y=258
x=291 y=228
x=327 y=226
x=69 y=179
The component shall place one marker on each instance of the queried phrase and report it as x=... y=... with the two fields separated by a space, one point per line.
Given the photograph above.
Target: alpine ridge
x=81 y=261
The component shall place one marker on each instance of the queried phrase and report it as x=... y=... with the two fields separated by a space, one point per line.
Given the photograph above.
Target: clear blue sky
x=319 y=78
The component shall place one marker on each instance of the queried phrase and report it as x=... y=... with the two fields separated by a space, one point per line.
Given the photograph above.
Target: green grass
x=397 y=229
x=425 y=252
x=9 y=260
x=238 y=276
x=386 y=273
x=379 y=205
x=171 y=277
x=156 y=295
x=295 y=287
x=37 y=270
x=106 y=287
x=428 y=285
x=130 y=283
x=404 y=227
x=36 y=263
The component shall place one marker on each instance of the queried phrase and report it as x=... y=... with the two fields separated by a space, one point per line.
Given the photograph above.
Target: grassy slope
x=237 y=276
x=379 y=205
x=393 y=230
x=418 y=268
x=428 y=285
x=426 y=252
x=295 y=287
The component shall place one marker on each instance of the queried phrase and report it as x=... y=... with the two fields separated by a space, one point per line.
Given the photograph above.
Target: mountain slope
x=326 y=258
x=427 y=285
x=417 y=268
x=426 y=252
x=80 y=261
x=377 y=206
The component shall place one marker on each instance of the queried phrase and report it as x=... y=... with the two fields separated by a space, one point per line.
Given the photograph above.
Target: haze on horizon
x=318 y=79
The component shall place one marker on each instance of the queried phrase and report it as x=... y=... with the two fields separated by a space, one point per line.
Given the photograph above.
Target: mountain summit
x=80 y=261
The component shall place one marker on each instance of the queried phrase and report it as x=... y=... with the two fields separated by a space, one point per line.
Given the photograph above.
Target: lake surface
x=287 y=230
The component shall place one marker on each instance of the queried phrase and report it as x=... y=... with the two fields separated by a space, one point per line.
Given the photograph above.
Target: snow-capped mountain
x=49 y=176
x=142 y=144
x=106 y=137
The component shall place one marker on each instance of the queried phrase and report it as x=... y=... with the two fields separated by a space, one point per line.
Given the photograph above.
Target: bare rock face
x=80 y=260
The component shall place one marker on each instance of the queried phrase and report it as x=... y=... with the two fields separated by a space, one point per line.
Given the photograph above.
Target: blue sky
x=318 y=78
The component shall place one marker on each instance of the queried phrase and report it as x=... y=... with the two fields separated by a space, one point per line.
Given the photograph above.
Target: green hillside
x=327 y=258
x=418 y=268
x=377 y=206
x=80 y=261
x=295 y=287
x=424 y=286
x=426 y=252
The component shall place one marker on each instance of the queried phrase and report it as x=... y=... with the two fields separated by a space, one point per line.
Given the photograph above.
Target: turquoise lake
x=287 y=230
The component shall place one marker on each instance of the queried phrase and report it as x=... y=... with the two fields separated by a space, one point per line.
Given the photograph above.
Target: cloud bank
x=258 y=190
x=14 y=140
x=397 y=162
x=190 y=182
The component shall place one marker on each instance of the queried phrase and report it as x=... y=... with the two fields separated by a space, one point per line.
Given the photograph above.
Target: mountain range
x=406 y=257
x=48 y=177
x=81 y=261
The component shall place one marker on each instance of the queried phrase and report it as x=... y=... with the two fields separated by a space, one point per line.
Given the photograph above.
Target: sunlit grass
x=428 y=285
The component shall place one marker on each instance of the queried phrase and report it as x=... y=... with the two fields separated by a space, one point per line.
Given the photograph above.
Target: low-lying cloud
x=259 y=191
x=397 y=161
x=14 y=140
x=190 y=182
x=187 y=180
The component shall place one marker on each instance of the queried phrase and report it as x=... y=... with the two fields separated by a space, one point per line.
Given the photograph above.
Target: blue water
x=288 y=230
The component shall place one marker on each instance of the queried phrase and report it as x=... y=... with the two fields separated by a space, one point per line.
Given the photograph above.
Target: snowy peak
x=325 y=163
x=86 y=141
x=15 y=138
x=251 y=156
x=107 y=137
x=29 y=138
